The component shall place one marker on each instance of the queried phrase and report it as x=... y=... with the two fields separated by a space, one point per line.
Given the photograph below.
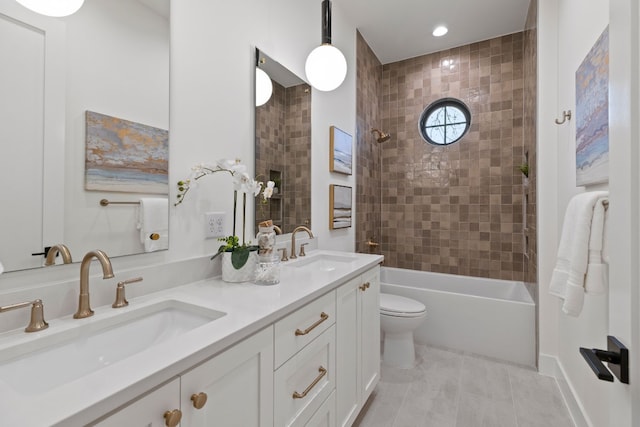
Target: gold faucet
x=293 y=240
x=53 y=252
x=84 y=308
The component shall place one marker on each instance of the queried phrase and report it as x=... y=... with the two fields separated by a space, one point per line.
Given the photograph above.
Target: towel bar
x=105 y=202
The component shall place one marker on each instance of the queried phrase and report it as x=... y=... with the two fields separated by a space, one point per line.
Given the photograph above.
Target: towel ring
x=566 y=115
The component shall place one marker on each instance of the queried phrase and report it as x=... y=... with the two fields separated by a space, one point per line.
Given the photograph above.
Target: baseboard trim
x=550 y=366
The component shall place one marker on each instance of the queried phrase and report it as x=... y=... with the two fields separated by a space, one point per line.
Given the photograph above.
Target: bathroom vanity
x=303 y=352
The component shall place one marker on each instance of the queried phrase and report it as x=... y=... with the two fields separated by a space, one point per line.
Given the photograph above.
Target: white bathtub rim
x=508 y=301
x=459 y=281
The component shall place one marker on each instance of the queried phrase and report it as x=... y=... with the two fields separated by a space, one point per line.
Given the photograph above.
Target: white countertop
x=248 y=308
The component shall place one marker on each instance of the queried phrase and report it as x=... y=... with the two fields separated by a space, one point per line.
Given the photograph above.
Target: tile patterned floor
x=453 y=389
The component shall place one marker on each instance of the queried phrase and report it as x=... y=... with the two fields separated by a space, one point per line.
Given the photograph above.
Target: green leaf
x=239 y=257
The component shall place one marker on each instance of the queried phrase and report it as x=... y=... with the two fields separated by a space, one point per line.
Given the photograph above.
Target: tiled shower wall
x=283 y=141
x=530 y=112
x=530 y=137
x=369 y=99
x=456 y=209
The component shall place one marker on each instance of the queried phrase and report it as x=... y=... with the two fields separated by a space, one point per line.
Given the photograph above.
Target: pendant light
x=56 y=8
x=326 y=66
x=264 y=86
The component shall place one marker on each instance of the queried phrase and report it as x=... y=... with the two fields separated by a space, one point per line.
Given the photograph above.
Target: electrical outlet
x=214 y=224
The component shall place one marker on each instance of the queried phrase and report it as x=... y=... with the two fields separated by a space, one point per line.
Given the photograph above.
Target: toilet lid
x=395 y=304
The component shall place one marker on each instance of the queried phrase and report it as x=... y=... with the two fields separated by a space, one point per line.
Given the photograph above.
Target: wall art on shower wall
x=339 y=207
x=592 y=114
x=125 y=156
x=340 y=151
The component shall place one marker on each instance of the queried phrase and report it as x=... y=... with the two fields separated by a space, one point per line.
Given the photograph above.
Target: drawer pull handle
x=323 y=316
x=172 y=418
x=323 y=372
x=199 y=400
x=364 y=286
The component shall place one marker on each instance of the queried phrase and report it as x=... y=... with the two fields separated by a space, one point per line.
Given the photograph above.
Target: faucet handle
x=302 y=249
x=121 y=299
x=37 y=322
x=284 y=254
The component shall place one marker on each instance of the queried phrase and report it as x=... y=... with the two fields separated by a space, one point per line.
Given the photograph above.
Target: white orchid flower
x=255 y=187
x=242 y=182
x=235 y=166
x=268 y=190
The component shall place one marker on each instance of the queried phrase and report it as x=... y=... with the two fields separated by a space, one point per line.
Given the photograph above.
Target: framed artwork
x=592 y=115
x=125 y=156
x=341 y=151
x=339 y=207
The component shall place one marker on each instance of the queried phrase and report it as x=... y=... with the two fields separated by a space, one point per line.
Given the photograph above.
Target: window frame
x=435 y=106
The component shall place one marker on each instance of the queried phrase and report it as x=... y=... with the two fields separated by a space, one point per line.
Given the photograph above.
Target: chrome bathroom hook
x=566 y=115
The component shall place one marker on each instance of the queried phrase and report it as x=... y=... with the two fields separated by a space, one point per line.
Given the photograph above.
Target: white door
x=624 y=211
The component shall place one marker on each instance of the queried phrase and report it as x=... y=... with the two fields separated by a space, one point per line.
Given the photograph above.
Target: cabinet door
x=238 y=385
x=370 y=332
x=348 y=360
x=325 y=416
x=148 y=411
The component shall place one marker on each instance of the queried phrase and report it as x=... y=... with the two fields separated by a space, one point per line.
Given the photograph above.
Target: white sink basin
x=323 y=262
x=44 y=364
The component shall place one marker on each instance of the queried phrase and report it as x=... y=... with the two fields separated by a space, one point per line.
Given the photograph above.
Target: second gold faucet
x=84 y=307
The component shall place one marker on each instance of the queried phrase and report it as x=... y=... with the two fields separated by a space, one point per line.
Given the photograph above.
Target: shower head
x=382 y=137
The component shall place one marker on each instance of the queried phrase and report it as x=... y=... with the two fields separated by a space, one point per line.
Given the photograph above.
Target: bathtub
x=494 y=318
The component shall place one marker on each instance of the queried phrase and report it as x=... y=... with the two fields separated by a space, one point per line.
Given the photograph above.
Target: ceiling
x=401 y=29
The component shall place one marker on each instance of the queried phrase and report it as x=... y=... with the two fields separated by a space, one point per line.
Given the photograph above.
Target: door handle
x=616 y=356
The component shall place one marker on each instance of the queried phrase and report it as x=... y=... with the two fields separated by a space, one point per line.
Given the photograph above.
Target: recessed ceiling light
x=440 y=31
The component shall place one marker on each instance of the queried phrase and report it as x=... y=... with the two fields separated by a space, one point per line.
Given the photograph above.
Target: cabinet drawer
x=325 y=416
x=305 y=381
x=302 y=326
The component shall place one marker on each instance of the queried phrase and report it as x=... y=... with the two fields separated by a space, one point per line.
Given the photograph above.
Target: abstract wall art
x=341 y=151
x=340 y=207
x=125 y=156
x=592 y=115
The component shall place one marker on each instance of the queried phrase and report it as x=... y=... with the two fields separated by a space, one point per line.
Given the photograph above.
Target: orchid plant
x=243 y=184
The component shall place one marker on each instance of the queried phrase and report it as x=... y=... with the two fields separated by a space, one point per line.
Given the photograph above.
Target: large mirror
x=109 y=58
x=283 y=146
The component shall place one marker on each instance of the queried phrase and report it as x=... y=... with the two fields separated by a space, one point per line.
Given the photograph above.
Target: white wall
x=576 y=25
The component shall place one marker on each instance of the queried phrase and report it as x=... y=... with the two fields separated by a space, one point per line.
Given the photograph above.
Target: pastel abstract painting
x=125 y=156
x=592 y=115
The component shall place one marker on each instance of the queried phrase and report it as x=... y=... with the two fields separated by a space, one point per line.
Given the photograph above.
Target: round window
x=445 y=121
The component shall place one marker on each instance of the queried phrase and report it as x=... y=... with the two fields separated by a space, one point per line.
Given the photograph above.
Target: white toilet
x=399 y=317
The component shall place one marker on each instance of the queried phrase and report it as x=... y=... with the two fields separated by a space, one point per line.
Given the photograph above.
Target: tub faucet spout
x=84 y=308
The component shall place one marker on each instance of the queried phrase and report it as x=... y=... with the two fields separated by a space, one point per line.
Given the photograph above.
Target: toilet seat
x=397 y=306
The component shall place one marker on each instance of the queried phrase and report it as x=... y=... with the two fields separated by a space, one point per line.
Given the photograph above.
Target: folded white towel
x=153 y=221
x=596 y=280
x=568 y=278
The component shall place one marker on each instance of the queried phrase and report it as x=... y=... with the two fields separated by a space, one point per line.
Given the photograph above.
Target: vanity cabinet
x=357 y=343
x=305 y=362
x=314 y=367
x=238 y=385
x=147 y=411
x=233 y=389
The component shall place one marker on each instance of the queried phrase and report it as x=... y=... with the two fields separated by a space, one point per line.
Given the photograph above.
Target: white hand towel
x=596 y=280
x=567 y=280
x=154 y=220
